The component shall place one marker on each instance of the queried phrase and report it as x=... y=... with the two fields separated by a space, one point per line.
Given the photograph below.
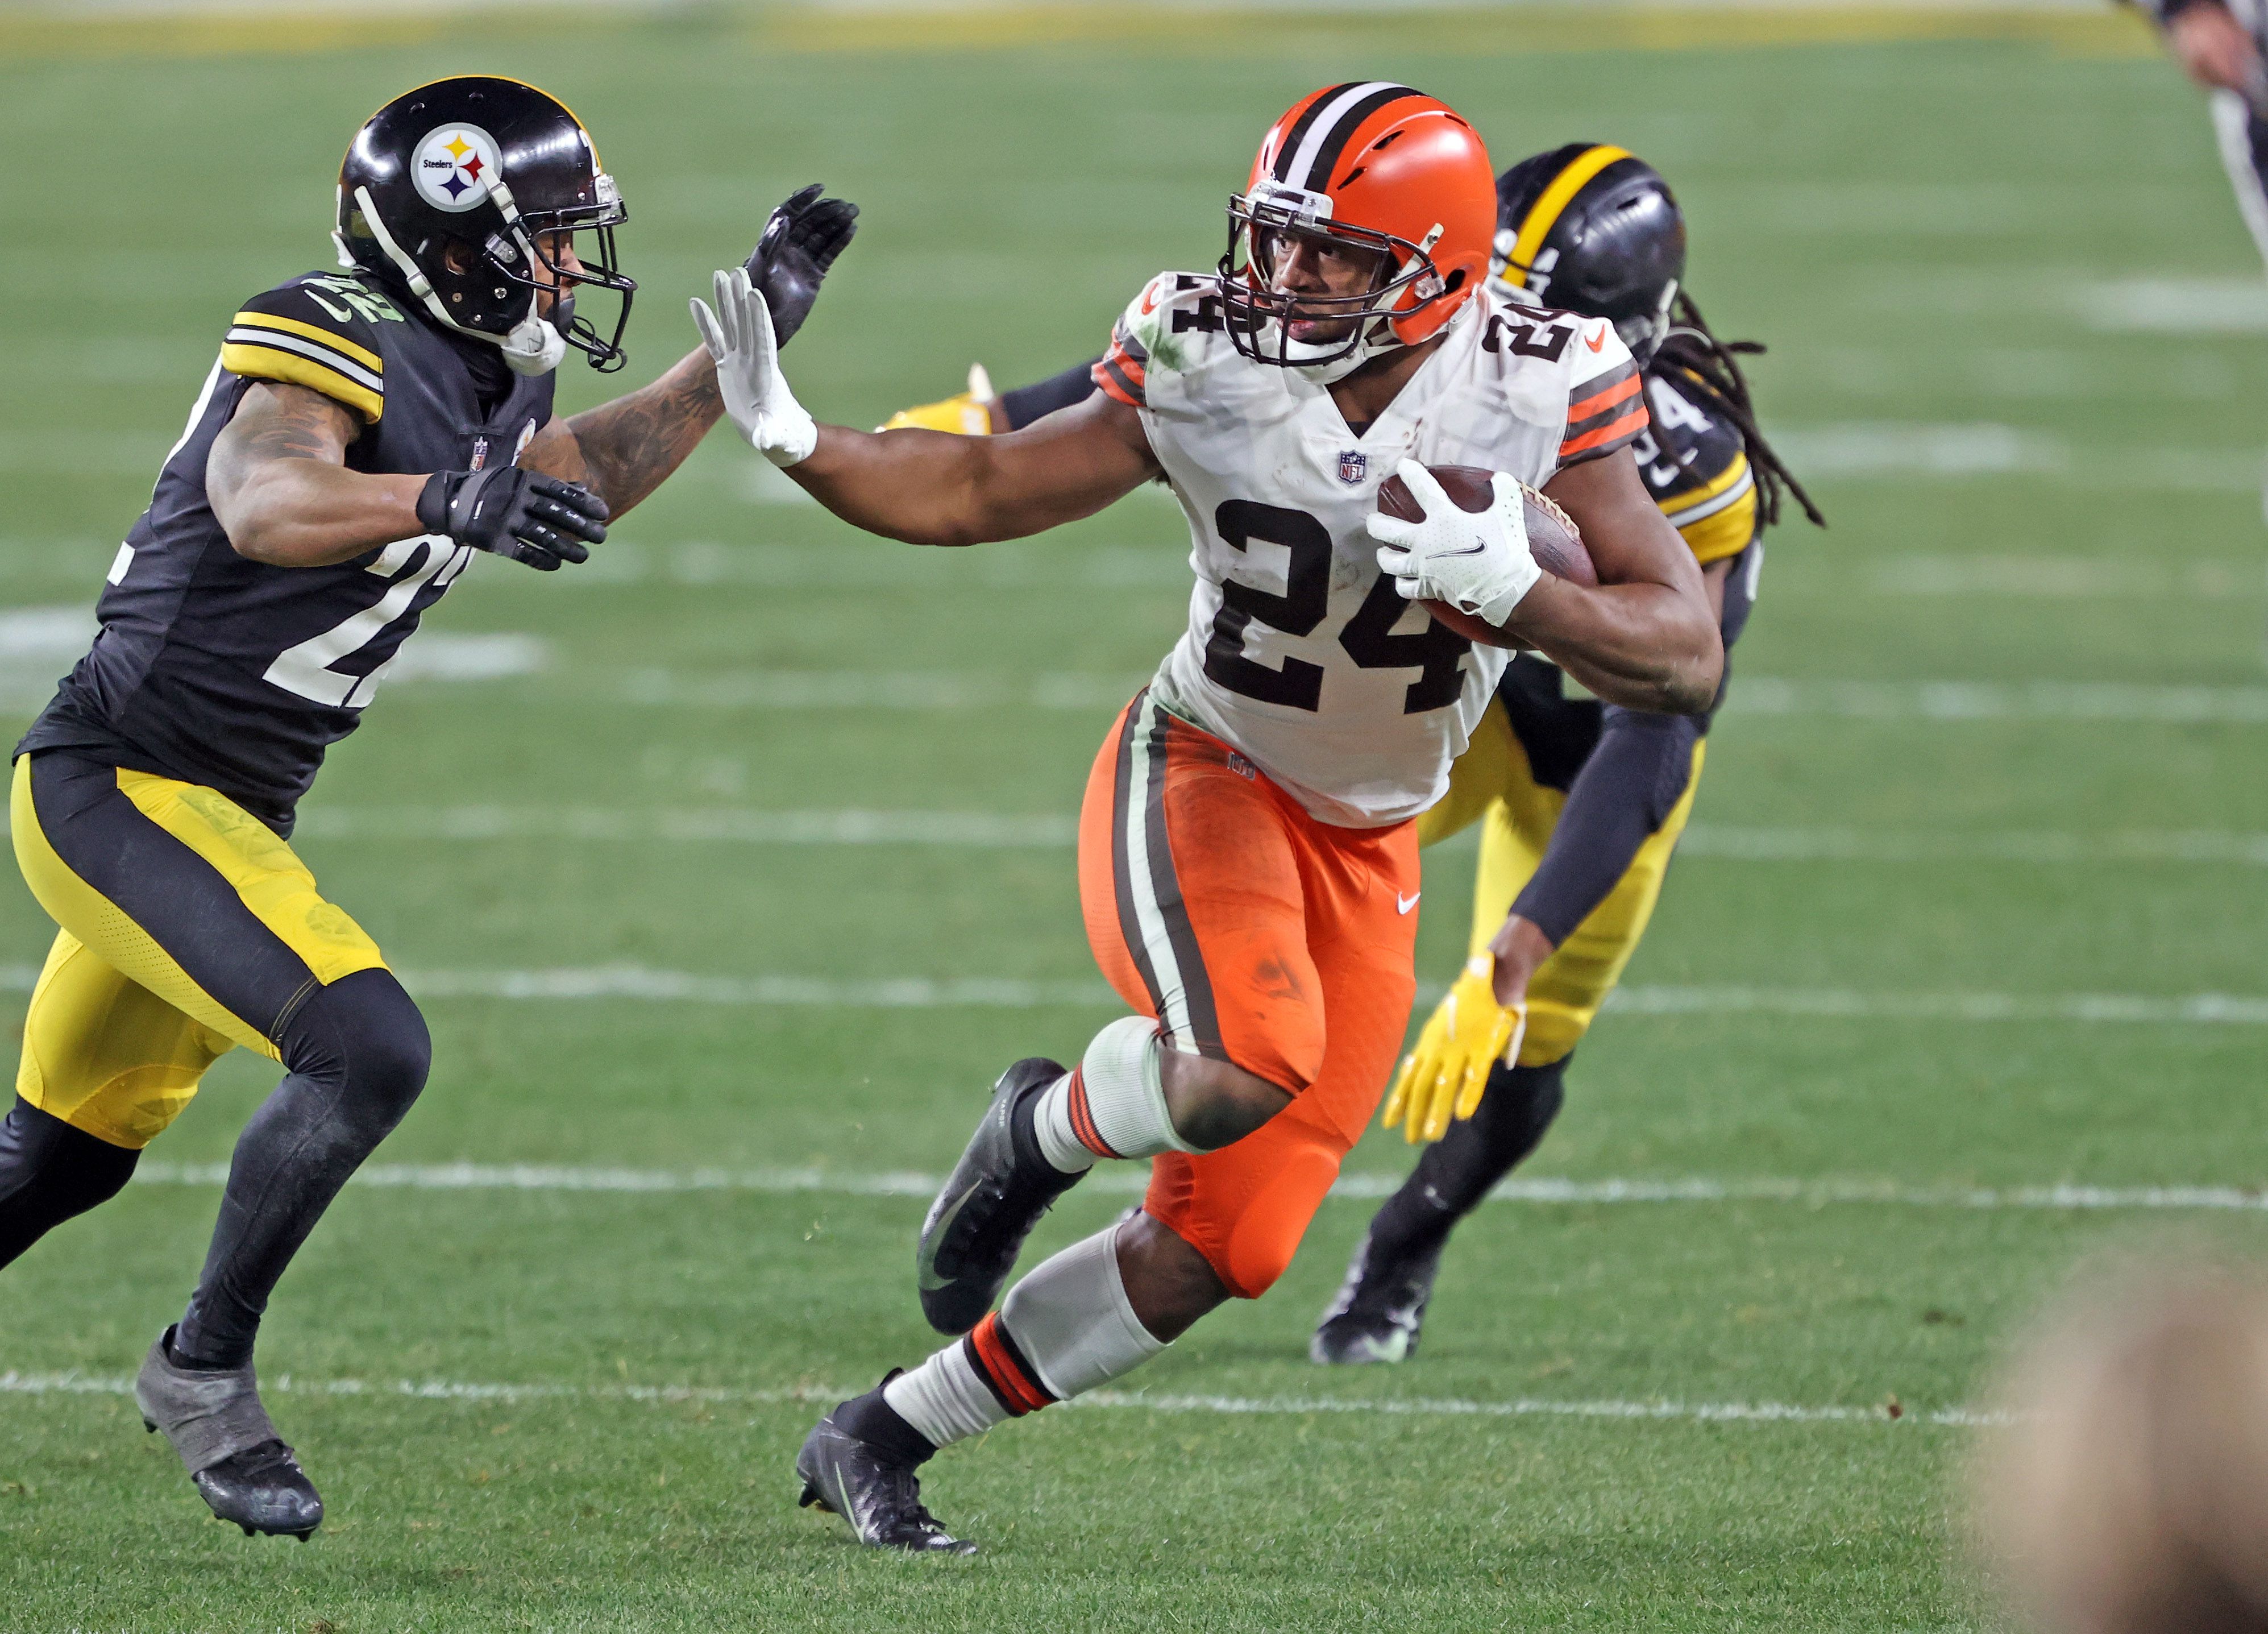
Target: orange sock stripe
x=1082 y=1118
x=1011 y=1379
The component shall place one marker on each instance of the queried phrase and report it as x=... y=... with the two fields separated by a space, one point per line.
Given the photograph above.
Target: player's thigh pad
x=106 y=1056
x=184 y=892
x=1567 y=989
x=1245 y=1207
x=1190 y=880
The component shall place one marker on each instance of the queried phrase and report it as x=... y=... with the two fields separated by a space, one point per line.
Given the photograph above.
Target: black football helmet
x=449 y=193
x=1592 y=229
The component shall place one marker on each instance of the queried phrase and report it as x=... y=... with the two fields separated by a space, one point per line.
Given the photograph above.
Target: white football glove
x=1478 y=563
x=739 y=336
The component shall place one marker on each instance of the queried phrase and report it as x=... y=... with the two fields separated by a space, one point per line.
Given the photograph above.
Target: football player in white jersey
x=1248 y=850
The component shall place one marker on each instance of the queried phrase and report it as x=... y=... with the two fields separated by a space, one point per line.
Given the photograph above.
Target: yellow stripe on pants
x=119 y=1033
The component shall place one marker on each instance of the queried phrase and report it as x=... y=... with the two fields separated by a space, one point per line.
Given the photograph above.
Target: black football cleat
x=236 y=1460
x=878 y=1494
x=1379 y=1310
x=992 y=1200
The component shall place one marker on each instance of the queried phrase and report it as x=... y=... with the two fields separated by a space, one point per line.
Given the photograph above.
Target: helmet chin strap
x=531 y=347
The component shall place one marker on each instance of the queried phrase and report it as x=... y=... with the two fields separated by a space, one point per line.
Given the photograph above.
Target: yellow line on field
x=33 y=33
x=1554 y=26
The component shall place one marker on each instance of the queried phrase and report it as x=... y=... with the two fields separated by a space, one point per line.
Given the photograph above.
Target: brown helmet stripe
x=1308 y=161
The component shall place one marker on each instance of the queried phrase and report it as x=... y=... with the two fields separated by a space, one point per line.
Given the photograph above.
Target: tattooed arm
x=621 y=450
x=277 y=480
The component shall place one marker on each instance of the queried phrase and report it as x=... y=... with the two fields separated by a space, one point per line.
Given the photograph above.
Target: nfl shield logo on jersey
x=1354 y=465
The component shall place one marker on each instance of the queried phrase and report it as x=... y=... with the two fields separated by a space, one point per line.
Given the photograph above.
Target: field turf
x=1930 y=946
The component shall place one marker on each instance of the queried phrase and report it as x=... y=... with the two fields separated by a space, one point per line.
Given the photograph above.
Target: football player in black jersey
x=363 y=434
x=1582 y=802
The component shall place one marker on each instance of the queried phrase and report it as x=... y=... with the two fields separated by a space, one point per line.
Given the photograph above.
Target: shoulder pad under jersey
x=321 y=331
x=1698 y=472
x=1606 y=399
x=1174 y=315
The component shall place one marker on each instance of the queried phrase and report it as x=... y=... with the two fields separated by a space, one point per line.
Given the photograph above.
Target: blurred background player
x=363 y=434
x=2126 y=1488
x=1582 y=802
x=2223 y=45
x=1247 y=847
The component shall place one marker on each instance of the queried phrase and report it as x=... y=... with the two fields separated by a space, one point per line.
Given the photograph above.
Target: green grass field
x=1984 y=822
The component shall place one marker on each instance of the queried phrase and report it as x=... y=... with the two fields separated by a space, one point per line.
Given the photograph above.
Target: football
x=1553 y=539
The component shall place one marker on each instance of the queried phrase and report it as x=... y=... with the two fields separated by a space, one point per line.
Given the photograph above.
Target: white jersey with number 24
x=1300 y=652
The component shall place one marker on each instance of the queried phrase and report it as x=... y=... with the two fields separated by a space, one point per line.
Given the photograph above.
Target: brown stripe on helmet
x=1335 y=145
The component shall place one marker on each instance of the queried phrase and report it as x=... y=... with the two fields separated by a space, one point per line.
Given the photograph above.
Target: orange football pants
x=1254 y=935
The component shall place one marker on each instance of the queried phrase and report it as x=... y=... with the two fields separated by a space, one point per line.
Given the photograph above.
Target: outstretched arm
x=623 y=450
x=934 y=488
x=921 y=486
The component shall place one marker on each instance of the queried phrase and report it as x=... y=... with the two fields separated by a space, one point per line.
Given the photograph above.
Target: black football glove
x=800 y=243
x=540 y=521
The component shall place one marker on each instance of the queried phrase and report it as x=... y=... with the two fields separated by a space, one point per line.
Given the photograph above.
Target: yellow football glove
x=1463 y=1039
x=968 y=414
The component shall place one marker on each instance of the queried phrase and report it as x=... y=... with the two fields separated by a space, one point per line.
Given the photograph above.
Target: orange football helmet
x=1370 y=166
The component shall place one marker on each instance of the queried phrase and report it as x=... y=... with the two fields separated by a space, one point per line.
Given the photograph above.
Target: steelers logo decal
x=454 y=166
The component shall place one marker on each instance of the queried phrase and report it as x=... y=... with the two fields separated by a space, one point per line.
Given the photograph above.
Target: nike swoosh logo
x=1597 y=342
x=930 y=1282
x=1479 y=547
x=1403 y=904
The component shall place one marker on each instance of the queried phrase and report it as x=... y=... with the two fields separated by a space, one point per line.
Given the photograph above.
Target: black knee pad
x=49 y=1172
x=364 y=1035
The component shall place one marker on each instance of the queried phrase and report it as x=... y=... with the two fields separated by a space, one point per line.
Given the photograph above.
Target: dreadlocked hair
x=1691 y=348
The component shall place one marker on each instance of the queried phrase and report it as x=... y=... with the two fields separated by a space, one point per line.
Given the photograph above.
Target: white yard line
x=1019 y=831
x=1991 y=700
x=723 y=825
x=1413 y=1407
x=1131 y=1181
x=927 y=692
x=1725 y=843
x=636 y=982
x=2145 y=573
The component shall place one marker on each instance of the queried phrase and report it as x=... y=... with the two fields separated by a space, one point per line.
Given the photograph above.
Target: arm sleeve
x=1627 y=789
x=1625 y=792
x=1020 y=405
x=292 y=334
x=1606 y=399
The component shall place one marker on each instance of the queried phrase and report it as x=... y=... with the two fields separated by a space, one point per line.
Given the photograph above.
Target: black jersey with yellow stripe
x=1695 y=465
x=216 y=670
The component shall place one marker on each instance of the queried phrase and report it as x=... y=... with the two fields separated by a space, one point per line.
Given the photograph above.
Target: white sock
x=1059 y=1142
x=945 y=1398
x=1113 y=1105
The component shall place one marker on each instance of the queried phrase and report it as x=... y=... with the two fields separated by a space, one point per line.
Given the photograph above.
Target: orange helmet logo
x=1377 y=177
